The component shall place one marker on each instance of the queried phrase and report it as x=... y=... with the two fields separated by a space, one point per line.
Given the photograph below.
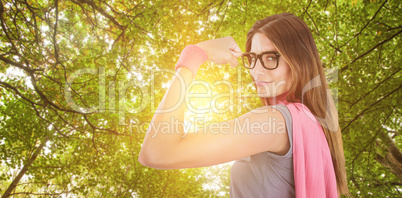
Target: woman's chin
x=264 y=94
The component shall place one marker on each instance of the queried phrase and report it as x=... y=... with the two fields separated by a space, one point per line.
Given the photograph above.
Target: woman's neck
x=281 y=99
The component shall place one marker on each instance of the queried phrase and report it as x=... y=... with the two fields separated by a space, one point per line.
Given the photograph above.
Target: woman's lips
x=261 y=83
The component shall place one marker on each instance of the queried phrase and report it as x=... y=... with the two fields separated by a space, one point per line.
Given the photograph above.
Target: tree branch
x=369 y=106
x=305 y=10
x=378 y=84
x=362 y=150
x=17 y=92
x=365 y=26
x=223 y=18
x=24 y=169
x=102 y=12
x=19 y=65
x=30 y=193
x=364 y=54
x=5 y=29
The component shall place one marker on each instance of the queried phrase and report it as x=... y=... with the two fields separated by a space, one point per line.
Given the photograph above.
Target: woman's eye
x=271 y=58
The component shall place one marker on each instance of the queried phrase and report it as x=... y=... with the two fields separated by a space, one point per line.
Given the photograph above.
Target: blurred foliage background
x=80 y=80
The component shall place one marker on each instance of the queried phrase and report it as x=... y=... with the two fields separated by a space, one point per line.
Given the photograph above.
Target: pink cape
x=314 y=173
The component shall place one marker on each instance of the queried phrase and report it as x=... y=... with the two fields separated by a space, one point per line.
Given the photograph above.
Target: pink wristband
x=192 y=57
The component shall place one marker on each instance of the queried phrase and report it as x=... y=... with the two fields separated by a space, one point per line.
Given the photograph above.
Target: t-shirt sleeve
x=288 y=121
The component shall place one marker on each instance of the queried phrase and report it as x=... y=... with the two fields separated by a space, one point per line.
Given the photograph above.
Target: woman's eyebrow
x=273 y=51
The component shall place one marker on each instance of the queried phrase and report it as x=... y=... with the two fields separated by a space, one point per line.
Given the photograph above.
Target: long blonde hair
x=294 y=41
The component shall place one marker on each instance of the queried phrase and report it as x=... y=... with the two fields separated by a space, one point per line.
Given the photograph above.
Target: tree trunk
x=24 y=169
x=393 y=159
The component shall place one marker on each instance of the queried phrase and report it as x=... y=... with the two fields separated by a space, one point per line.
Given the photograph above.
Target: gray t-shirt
x=265 y=174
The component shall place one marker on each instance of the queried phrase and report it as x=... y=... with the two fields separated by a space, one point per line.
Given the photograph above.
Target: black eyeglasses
x=269 y=60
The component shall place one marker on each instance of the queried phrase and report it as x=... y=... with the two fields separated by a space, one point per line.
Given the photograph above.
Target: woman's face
x=270 y=83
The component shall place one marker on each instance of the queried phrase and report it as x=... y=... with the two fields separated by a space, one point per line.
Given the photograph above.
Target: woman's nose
x=258 y=69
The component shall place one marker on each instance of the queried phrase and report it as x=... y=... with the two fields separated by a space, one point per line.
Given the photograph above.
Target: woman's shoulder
x=265 y=111
x=264 y=114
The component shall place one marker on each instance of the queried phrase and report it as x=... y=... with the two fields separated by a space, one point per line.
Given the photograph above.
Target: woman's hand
x=222 y=51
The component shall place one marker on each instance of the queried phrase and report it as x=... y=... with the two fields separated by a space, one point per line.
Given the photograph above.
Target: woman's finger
x=236 y=54
x=235 y=50
x=233 y=61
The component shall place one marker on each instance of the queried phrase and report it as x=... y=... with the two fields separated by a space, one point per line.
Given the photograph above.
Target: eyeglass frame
x=259 y=56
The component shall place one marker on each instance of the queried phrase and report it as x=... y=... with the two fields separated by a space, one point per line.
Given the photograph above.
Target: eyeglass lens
x=268 y=60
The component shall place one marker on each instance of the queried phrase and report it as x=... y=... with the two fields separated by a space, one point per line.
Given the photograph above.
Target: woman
x=298 y=153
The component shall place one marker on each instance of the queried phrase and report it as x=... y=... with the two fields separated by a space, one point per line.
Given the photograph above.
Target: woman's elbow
x=145 y=159
x=142 y=159
x=152 y=160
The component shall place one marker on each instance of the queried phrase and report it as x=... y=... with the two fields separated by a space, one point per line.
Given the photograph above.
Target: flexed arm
x=168 y=150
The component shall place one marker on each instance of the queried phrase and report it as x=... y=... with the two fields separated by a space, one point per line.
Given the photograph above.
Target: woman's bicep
x=257 y=131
